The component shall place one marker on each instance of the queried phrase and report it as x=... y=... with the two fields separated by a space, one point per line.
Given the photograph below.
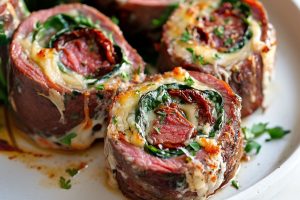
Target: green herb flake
x=125 y=76
x=235 y=184
x=195 y=146
x=258 y=130
x=157 y=130
x=159 y=22
x=162 y=116
x=276 y=133
x=115 y=20
x=72 y=171
x=248 y=133
x=219 y=31
x=189 y=81
x=252 y=146
x=190 y=50
x=217 y=56
x=100 y=87
x=228 y=42
x=201 y=60
x=186 y=36
x=197 y=58
x=67 y=140
x=114 y=120
x=65 y=184
x=62 y=67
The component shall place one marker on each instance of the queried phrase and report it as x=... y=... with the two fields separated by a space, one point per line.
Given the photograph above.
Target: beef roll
x=175 y=136
x=12 y=12
x=139 y=15
x=230 y=39
x=141 y=21
x=67 y=63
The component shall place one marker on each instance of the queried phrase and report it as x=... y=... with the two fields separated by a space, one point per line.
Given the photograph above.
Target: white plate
x=260 y=178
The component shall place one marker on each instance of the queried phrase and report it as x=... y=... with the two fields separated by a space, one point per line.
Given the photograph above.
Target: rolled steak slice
x=175 y=136
x=230 y=39
x=139 y=15
x=12 y=13
x=67 y=63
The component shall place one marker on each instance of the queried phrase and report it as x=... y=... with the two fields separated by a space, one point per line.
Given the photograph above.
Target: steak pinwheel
x=230 y=39
x=67 y=64
x=141 y=21
x=176 y=136
x=139 y=16
x=12 y=12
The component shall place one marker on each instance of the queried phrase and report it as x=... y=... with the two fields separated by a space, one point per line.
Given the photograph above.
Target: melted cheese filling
x=187 y=15
x=47 y=60
x=191 y=112
x=84 y=136
x=124 y=109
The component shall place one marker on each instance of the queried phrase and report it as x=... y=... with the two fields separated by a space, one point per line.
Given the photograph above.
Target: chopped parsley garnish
x=65 y=184
x=196 y=58
x=67 y=140
x=276 y=133
x=125 y=76
x=189 y=81
x=235 y=184
x=252 y=146
x=201 y=60
x=60 y=24
x=217 y=56
x=159 y=22
x=190 y=50
x=238 y=4
x=115 y=20
x=195 y=146
x=72 y=172
x=219 y=31
x=114 y=120
x=258 y=130
x=162 y=115
x=157 y=129
x=186 y=36
x=228 y=42
x=100 y=87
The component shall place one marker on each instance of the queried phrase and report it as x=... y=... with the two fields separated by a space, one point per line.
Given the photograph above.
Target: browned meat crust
x=143 y=176
x=30 y=90
x=250 y=79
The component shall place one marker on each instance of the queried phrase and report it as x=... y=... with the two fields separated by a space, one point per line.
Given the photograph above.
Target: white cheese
x=125 y=108
x=58 y=100
x=191 y=112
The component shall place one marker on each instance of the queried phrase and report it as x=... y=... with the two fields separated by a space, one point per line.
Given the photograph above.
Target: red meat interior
x=171 y=128
x=223 y=29
x=87 y=52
